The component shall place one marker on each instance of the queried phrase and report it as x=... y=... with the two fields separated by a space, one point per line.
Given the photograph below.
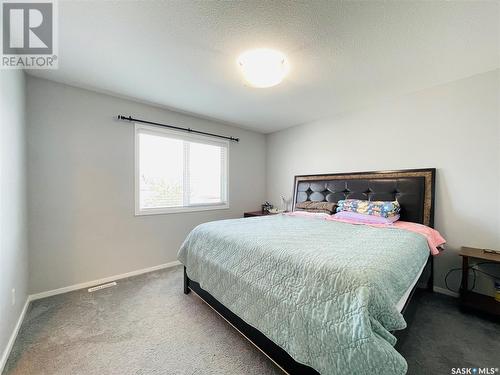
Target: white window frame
x=156 y=130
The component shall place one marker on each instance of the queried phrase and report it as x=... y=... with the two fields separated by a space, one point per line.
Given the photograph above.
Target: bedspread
x=324 y=291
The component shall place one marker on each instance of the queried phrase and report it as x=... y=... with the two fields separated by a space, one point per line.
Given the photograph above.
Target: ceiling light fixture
x=263 y=67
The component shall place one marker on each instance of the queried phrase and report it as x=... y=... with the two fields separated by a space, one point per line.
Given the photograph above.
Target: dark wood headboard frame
x=428 y=175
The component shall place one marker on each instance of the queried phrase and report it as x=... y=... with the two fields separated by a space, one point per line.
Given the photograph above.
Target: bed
x=318 y=296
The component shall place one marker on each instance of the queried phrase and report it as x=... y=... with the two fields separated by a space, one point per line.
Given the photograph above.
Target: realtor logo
x=29 y=35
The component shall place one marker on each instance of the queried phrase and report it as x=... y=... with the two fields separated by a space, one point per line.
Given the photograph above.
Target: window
x=177 y=172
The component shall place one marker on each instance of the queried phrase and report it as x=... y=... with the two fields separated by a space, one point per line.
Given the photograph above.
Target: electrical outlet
x=13 y=296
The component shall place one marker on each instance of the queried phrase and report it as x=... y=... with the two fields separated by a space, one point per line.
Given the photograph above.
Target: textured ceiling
x=343 y=55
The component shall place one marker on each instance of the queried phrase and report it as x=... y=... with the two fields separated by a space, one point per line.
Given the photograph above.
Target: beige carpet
x=145 y=325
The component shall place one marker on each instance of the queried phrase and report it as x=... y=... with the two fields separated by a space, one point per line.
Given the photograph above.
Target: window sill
x=178 y=210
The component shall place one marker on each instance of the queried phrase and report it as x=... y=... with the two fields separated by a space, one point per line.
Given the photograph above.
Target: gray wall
x=453 y=127
x=13 y=237
x=81 y=193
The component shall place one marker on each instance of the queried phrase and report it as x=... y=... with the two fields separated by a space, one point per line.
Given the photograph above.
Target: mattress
x=401 y=303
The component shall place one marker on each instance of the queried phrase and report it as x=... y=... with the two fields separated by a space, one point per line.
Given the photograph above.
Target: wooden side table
x=257 y=213
x=471 y=300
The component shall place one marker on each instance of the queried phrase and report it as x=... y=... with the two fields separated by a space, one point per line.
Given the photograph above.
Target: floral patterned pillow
x=376 y=208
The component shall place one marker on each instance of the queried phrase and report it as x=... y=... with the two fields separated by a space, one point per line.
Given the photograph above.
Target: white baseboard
x=446 y=291
x=13 y=336
x=89 y=284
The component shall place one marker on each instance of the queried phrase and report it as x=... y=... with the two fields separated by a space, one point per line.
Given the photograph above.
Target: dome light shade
x=263 y=67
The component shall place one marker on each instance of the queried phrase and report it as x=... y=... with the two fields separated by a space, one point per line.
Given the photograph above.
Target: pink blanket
x=434 y=238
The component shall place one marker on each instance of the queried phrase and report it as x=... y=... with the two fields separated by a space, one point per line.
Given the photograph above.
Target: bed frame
x=414 y=189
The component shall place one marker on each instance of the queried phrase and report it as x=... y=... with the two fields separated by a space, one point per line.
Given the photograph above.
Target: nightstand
x=257 y=213
x=472 y=300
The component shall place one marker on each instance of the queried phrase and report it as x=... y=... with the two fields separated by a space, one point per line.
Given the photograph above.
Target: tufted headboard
x=412 y=188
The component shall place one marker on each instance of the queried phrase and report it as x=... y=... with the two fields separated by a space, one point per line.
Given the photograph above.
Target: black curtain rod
x=189 y=130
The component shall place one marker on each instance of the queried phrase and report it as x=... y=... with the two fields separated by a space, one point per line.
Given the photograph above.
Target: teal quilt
x=324 y=291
